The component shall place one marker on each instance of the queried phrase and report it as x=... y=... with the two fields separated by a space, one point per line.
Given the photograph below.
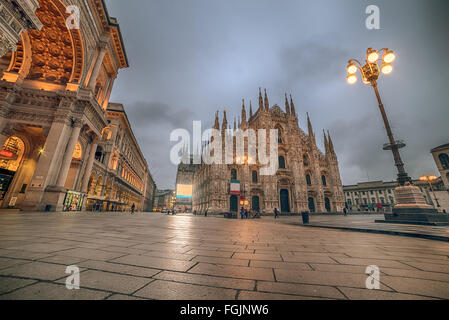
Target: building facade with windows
x=369 y=196
x=379 y=195
x=307 y=178
x=120 y=176
x=55 y=114
x=441 y=157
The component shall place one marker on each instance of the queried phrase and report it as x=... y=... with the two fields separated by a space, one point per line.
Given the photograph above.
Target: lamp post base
x=413 y=209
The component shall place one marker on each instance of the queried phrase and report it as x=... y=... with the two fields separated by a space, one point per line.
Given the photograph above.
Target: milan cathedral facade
x=306 y=180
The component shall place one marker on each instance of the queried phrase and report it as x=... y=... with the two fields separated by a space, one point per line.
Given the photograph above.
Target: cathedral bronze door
x=255 y=204
x=234 y=206
x=285 y=203
x=311 y=204
x=327 y=204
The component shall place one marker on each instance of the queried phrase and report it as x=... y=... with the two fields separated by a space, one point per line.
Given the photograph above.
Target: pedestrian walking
x=241 y=213
x=133 y=207
x=246 y=214
x=276 y=213
x=345 y=211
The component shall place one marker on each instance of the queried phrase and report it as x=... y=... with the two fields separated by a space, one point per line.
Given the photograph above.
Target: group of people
x=243 y=213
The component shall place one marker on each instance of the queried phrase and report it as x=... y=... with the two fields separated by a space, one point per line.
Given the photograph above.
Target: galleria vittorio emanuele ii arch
x=54 y=108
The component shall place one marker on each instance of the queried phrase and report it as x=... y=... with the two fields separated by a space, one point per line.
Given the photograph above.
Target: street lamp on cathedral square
x=411 y=206
x=370 y=72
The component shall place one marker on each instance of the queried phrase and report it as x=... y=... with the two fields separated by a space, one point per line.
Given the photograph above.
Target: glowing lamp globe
x=352 y=78
x=352 y=68
x=373 y=56
x=389 y=56
x=386 y=68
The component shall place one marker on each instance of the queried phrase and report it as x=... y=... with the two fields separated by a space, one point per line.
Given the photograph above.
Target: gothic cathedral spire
x=217 y=123
x=331 y=144
x=292 y=106
x=326 y=143
x=224 y=124
x=287 y=106
x=310 y=130
x=266 y=103
x=243 y=112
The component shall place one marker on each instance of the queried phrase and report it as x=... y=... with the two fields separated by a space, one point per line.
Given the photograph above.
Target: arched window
x=323 y=180
x=233 y=174
x=444 y=159
x=305 y=159
x=99 y=153
x=107 y=134
x=11 y=154
x=281 y=162
x=255 y=178
x=78 y=152
x=308 y=180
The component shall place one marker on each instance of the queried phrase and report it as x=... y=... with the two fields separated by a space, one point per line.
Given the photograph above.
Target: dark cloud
x=190 y=58
x=148 y=114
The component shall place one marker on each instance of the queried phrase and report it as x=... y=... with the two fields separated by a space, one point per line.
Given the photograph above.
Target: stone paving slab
x=234 y=271
x=8 y=284
x=215 y=260
x=156 y=263
x=300 y=289
x=119 y=268
x=36 y=270
x=167 y=290
x=52 y=291
x=154 y=256
x=220 y=282
x=112 y=282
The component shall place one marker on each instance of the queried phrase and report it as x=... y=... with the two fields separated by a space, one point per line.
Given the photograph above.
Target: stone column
x=90 y=163
x=98 y=62
x=105 y=102
x=67 y=159
x=45 y=168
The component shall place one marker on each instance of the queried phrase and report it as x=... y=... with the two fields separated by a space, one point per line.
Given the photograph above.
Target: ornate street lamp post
x=411 y=206
x=370 y=72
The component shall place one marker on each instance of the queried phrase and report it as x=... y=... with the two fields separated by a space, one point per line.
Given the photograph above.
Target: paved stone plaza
x=155 y=256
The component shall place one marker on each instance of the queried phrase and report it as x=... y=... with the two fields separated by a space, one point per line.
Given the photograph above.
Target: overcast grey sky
x=191 y=57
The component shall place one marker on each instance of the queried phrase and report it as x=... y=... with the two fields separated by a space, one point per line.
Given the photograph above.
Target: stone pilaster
x=98 y=62
x=67 y=159
x=90 y=163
